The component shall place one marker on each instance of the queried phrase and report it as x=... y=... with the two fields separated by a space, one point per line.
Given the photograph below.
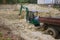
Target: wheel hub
x=50 y=32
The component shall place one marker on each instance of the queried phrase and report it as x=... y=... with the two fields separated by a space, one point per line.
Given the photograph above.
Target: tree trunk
x=4 y=1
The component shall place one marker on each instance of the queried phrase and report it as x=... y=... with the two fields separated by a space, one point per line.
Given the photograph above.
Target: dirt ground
x=19 y=28
x=5 y=32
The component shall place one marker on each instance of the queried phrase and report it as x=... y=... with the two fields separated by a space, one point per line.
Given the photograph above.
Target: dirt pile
x=23 y=29
x=7 y=29
x=29 y=33
x=44 y=11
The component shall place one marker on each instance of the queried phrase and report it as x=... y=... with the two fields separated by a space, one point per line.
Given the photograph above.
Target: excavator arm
x=27 y=11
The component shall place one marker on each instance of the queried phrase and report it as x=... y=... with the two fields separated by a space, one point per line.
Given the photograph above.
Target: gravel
x=23 y=29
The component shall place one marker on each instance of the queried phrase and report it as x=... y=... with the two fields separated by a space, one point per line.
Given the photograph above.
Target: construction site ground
x=14 y=28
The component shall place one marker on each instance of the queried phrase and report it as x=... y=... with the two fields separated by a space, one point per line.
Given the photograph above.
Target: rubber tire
x=55 y=32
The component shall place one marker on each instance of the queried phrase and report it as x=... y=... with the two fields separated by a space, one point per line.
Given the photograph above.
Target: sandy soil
x=42 y=11
x=25 y=31
x=20 y=27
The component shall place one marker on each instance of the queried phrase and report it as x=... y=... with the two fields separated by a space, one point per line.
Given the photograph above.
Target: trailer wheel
x=52 y=31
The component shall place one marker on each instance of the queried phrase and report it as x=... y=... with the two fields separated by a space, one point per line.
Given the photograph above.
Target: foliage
x=27 y=1
x=18 y=1
x=0 y=34
x=22 y=1
x=32 y=1
x=57 y=6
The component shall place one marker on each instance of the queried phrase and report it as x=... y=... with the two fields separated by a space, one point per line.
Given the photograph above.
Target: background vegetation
x=18 y=1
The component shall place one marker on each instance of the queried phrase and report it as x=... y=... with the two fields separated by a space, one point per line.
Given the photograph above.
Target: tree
x=23 y=1
x=32 y=1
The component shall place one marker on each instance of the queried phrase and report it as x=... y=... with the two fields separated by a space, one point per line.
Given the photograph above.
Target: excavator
x=30 y=16
x=51 y=25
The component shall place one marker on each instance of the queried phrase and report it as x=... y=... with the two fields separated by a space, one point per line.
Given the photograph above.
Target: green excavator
x=30 y=16
x=51 y=25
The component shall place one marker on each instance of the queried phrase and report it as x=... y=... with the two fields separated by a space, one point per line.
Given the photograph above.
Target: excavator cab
x=31 y=15
x=33 y=18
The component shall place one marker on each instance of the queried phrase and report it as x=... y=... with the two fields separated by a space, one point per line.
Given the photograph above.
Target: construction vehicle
x=30 y=16
x=51 y=25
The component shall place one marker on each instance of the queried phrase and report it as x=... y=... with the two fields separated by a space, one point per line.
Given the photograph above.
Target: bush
x=57 y=6
x=22 y=1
